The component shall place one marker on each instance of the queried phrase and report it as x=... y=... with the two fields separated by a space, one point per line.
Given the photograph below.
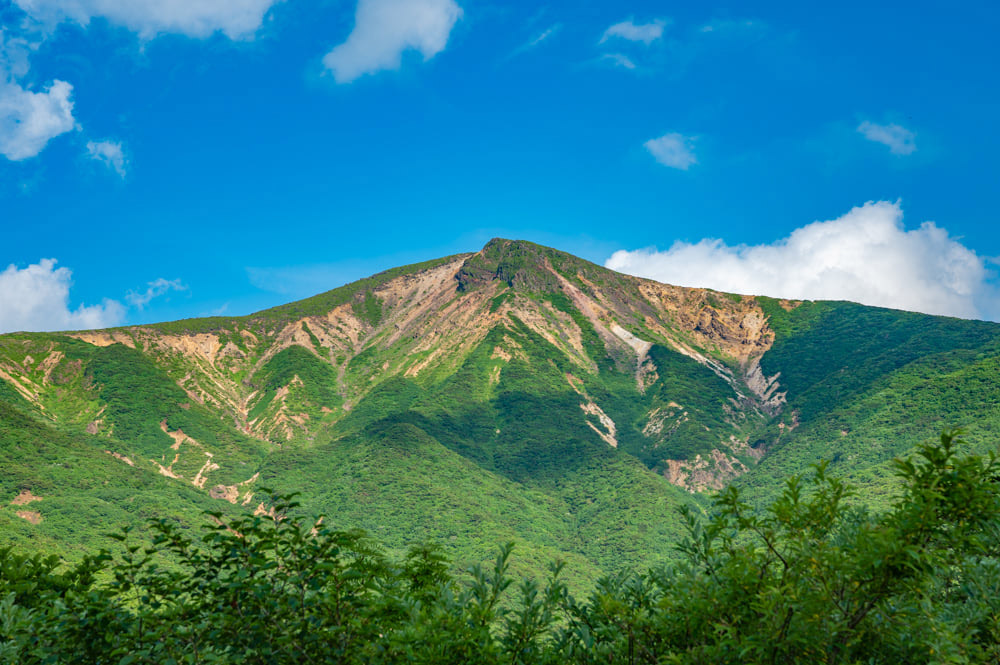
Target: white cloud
x=535 y=41
x=673 y=150
x=619 y=59
x=237 y=19
x=383 y=29
x=646 y=33
x=155 y=289
x=865 y=256
x=542 y=37
x=731 y=26
x=110 y=153
x=15 y=52
x=36 y=298
x=28 y=120
x=899 y=139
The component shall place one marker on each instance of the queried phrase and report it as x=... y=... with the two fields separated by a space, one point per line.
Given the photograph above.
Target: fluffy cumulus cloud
x=29 y=120
x=673 y=150
x=865 y=256
x=154 y=289
x=110 y=154
x=36 y=298
x=647 y=33
x=899 y=139
x=384 y=29
x=237 y=19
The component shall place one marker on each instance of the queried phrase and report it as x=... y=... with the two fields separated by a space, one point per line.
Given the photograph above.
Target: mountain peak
x=523 y=265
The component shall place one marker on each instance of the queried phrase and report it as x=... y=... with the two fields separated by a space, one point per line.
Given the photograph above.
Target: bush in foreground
x=811 y=579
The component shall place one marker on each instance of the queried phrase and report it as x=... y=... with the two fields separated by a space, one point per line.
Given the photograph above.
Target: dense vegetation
x=500 y=402
x=808 y=579
x=82 y=493
x=866 y=385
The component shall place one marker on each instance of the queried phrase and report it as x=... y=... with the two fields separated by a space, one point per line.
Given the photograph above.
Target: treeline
x=814 y=578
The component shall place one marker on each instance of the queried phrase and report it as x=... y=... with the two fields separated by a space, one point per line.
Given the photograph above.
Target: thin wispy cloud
x=154 y=289
x=865 y=256
x=15 y=52
x=673 y=150
x=305 y=280
x=537 y=40
x=237 y=19
x=647 y=47
x=619 y=60
x=899 y=139
x=542 y=37
x=384 y=29
x=36 y=299
x=646 y=33
x=724 y=27
x=110 y=154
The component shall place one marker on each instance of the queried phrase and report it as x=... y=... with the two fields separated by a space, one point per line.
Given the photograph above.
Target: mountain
x=516 y=393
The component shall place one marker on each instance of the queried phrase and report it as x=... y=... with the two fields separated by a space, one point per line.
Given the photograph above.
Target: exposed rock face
x=607 y=429
x=766 y=389
x=701 y=473
x=228 y=493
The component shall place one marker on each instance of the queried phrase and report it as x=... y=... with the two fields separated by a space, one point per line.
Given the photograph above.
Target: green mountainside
x=514 y=394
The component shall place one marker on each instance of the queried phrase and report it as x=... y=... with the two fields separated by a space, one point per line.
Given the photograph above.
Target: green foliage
x=368 y=308
x=807 y=580
x=866 y=385
x=702 y=394
x=309 y=378
x=83 y=490
x=517 y=263
x=830 y=352
x=140 y=399
x=136 y=392
x=499 y=300
x=208 y=324
x=812 y=579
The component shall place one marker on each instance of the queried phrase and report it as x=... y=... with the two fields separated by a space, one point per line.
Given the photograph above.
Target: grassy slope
x=85 y=492
x=867 y=384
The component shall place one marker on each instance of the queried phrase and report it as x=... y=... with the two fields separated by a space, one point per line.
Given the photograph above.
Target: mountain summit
x=517 y=393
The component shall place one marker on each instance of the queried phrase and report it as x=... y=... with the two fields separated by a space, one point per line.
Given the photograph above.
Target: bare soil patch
x=24 y=498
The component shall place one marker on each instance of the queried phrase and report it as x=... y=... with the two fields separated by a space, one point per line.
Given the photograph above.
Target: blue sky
x=162 y=160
